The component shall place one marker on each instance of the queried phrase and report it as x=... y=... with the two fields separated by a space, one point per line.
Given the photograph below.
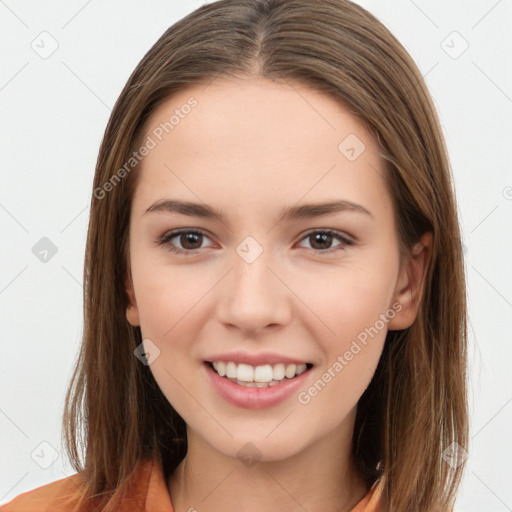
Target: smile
x=259 y=386
x=258 y=376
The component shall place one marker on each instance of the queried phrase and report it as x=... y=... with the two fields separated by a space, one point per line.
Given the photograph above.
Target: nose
x=253 y=296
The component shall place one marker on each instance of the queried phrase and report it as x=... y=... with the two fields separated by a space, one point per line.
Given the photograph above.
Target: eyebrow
x=310 y=210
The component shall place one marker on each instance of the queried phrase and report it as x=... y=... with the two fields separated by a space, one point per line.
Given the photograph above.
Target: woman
x=275 y=311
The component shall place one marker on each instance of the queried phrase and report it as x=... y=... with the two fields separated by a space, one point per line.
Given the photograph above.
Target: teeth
x=260 y=376
x=231 y=370
x=290 y=371
x=278 y=371
x=301 y=368
x=263 y=373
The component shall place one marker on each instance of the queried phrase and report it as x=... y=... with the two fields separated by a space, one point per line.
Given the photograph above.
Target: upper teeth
x=265 y=373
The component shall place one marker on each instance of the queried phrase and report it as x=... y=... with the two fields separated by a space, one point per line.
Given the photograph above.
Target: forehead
x=262 y=139
x=256 y=111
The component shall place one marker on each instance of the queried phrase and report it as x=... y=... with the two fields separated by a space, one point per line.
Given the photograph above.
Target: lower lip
x=254 y=397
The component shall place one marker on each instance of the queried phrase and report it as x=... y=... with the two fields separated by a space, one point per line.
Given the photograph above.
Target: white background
x=54 y=112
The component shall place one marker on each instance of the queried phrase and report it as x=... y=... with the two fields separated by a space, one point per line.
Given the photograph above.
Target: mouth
x=263 y=376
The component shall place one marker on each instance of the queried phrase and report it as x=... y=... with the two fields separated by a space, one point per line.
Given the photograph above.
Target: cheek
x=345 y=304
x=169 y=298
x=351 y=357
x=351 y=310
x=172 y=311
x=174 y=306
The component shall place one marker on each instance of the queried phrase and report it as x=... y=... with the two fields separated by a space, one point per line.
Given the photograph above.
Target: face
x=254 y=274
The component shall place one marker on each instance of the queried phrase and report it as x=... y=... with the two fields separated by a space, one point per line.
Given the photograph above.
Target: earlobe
x=132 y=312
x=411 y=282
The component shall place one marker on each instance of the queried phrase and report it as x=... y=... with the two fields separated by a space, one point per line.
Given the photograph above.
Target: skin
x=250 y=148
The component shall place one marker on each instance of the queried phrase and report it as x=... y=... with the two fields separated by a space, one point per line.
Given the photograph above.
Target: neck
x=318 y=478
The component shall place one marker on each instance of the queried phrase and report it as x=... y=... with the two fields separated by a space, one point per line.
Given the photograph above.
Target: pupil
x=190 y=237
x=322 y=237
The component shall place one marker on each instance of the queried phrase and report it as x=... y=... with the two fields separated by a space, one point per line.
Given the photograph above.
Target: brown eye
x=321 y=241
x=190 y=240
x=185 y=241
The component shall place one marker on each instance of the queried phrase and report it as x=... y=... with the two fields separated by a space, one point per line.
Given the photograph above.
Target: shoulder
x=372 y=501
x=61 y=495
x=145 y=490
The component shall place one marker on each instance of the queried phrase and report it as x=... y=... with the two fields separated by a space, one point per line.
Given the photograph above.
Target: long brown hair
x=416 y=405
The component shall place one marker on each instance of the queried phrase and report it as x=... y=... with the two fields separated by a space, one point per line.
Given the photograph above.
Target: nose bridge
x=255 y=297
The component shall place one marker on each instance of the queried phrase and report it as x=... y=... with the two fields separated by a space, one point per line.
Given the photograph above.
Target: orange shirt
x=148 y=494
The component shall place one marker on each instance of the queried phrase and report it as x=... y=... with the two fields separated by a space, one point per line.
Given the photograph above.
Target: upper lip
x=260 y=359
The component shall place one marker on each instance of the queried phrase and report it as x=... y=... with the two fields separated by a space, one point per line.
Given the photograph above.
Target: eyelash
x=165 y=239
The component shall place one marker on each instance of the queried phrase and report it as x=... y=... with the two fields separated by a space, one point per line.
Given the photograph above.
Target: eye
x=320 y=239
x=190 y=240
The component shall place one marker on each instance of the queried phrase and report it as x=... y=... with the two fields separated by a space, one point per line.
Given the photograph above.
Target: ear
x=132 y=312
x=411 y=282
